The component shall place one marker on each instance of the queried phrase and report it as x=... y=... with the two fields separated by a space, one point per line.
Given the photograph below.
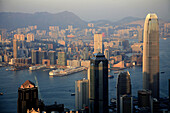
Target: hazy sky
x=91 y=9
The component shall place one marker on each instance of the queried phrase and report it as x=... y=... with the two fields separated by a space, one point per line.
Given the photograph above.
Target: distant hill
x=11 y=21
x=127 y=20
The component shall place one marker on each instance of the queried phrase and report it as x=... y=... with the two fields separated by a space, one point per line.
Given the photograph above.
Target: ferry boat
x=54 y=72
x=66 y=71
x=37 y=67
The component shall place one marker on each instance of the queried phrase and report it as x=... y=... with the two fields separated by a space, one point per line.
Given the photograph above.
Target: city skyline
x=82 y=66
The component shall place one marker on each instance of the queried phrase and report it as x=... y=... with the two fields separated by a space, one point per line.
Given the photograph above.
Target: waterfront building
x=98 y=92
x=41 y=55
x=27 y=97
x=123 y=87
x=52 y=57
x=81 y=94
x=126 y=104
x=15 y=48
x=98 y=45
x=34 y=57
x=151 y=55
x=62 y=59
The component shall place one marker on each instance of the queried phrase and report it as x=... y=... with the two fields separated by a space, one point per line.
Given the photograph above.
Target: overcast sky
x=91 y=9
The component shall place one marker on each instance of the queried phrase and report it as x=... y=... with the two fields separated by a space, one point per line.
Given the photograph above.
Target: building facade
x=151 y=55
x=62 y=59
x=81 y=94
x=123 y=87
x=98 y=45
x=98 y=92
x=27 y=97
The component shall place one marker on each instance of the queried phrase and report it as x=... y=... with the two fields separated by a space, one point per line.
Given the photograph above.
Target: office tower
x=52 y=57
x=140 y=35
x=81 y=94
x=98 y=45
x=15 y=48
x=27 y=97
x=123 y=87
x=151 y=55
x=126 y=104
x=62 y=59
x=106 y=53
x=34 y=57
x=144 y=99
x=41 y=55
x=98 y=84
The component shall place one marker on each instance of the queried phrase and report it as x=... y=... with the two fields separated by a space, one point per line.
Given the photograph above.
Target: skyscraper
x=34 y=57
x=98 y=45
x=27 y=97
x=15 y=48
x=41 y=55
x=123 y=87
x=144 y=99
x=98 y=91
x=151 y=55
x=126 y=104
x=52 y=57
x=62 y=59
x=81 y=94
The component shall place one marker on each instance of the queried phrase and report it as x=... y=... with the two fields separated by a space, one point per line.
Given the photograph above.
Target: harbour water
x=59 y=89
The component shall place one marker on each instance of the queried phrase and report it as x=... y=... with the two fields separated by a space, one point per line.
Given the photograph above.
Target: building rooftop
x=27 y=84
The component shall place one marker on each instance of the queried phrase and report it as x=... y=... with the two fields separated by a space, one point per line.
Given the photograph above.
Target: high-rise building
x=62 y=59
x=123 y=87
x=98 y=92
x=81 y=94
x=15 y=48
x=126 y=104
x=98 y=45
x=106 y=53
x=144 y=99
x=34 y=57
x=85 y=54
x=41 y=55
x=30 y=37
x=27 y=97
x=151 y=55
x=140 y=35
x=52 y=57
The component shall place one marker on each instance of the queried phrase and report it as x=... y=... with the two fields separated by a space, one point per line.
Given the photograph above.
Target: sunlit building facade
x=151 y=55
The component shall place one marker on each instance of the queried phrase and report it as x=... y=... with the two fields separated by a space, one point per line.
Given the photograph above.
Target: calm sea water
x=59 y=89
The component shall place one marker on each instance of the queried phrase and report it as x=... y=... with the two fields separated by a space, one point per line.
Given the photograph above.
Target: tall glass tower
x=123 y=87
x=98 y=92
x=151 y=55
